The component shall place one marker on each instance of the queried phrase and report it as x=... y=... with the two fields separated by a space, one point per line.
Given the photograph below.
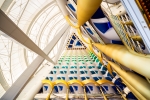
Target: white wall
x=1 y=2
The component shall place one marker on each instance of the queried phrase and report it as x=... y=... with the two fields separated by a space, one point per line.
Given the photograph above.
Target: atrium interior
x=74 y=49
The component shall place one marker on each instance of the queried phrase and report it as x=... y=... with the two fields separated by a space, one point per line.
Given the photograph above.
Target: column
x=20 y=83
x=10 y=29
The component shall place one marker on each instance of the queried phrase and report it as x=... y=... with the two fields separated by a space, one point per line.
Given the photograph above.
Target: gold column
x=48 y=97
x=81 y=37
x=85 y=96
x=85 y=9
x=67 y=95
x=65 y=83
x=69 y=22
x=133 y=90
x=137 y=82
x=137 y=38
x=105 y=98
x=121 y=54
x=124 y=98
x=51 y=85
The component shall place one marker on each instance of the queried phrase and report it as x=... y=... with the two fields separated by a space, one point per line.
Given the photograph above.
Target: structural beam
x=57 y=37
x=120 y=53
x=1 y=3
x=12 y=30
x=3 y=81
x=139 y=22
x=85 y=95
x=138 y=83
x=20 y=83
x=63 y=44
x=35 y=84
x=62 y=5
x=86 y=9
x=6 y=4
x=133 y=90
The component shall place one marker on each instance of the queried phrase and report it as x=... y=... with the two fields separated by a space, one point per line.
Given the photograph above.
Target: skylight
x=40 y=20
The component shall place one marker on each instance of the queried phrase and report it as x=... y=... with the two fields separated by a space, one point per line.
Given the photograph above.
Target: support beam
x=138 y=63
x=35 y=84
x=3 y=81
x=20 y=83
x=60 y=49
x=133 y=90
x=139 y=22
x=6 y=4
x=138 y=83
x=62 y=6
x=86 y=9
x=57 y=37
x=1 y=3
x=105 y=98
x=85 y=95
x=12 y=30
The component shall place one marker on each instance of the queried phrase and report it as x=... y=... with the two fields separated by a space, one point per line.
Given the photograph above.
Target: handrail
x=62 y=82
x=81 y=83
x=69 y=22
x=90 y=81
x=75 y=81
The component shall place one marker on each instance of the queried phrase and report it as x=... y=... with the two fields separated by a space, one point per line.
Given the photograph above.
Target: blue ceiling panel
x=98 y=14
x=102 y=27
x=71 y=42
x=71 y=7
x=78 y=43
x=89 y=31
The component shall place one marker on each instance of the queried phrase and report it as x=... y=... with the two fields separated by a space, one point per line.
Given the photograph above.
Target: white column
x=1 y=3
x=63 y=44
x=4 y=4
x=35 y=84
x=20 y=83
x=62 y=5
x=3 y=81
x=10 y=29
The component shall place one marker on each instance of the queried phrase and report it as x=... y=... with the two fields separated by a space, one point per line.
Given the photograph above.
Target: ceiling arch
x=24 y=13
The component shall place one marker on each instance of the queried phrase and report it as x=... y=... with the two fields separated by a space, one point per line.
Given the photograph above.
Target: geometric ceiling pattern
x=74 y=43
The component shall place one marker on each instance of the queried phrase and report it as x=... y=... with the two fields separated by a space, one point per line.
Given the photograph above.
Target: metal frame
x=138 y=20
